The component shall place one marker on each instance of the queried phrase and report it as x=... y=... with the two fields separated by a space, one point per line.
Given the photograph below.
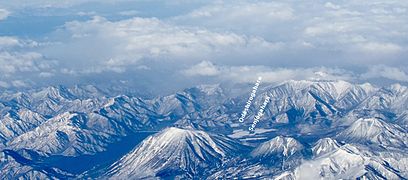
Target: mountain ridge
x=325 y=119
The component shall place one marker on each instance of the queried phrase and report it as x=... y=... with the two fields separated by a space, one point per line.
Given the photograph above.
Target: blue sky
x=174 y=44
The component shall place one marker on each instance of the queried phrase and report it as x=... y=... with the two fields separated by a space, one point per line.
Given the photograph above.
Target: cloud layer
x=117 y=46
x=4 y=14
x=211 y=42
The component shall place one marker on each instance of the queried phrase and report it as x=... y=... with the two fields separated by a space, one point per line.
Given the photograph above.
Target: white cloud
x=10 y=42
x=331 y=5
x=4 y=14
x=329 y=28
x=46 y=74
x=129 y=13
x=88 y=13
x=241 y=74
x=19 y=83
x=381 y=71
x=205 y=68
x=358 y=27
x=125 y=44
x=67 y=71
x=348 y=27
x=240 y=40
x=50 y=3
x=248 y=17
x=17 y=62
x=376 y=47
x=6 y=41
x=254 y=11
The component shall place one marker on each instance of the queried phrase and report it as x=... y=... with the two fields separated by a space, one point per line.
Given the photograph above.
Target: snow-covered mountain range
x=310 y=130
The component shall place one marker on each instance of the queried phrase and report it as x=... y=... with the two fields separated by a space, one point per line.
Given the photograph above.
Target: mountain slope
x=15 y=121
x=174 y=152
x=343 y=130
x=15 y=166
x=277 y=147
x=324 y=146
x=67 y=134
x=375 y=131
x=347 y=162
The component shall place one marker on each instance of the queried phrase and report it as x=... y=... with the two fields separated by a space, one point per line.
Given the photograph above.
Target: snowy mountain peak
x=374 y=130
x=301 y=84
x=175 y=135
x=210 y=89
x=86 y=91
x=175 y=150
x=117 y=100
x=333 y=89
x=399 y=88
x=278 y=146
x=325 y=145
x=58 y=127
x=53 y=92
x=368 y=87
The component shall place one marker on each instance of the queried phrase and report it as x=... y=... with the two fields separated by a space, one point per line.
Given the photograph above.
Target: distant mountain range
x=310 y=130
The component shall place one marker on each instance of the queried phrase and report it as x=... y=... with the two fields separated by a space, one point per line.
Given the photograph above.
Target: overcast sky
x=163 y=45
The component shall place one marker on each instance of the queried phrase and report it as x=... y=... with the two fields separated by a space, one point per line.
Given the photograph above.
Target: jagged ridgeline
x=310 y=130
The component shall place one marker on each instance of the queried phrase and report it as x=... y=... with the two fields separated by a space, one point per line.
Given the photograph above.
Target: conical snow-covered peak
x=179 y=151
x=374 y=130
x=175 y=135
x=324 y=146
x=278 y=146
x=366 y=127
